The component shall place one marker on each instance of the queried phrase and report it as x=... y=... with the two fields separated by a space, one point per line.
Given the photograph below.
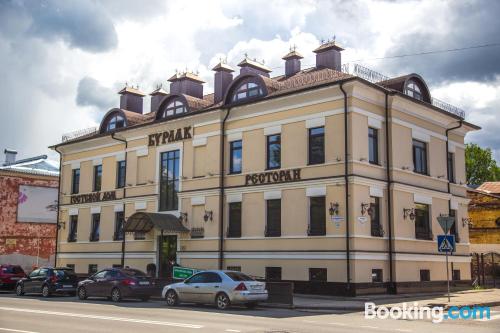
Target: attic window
x=413 y=90
x=175 y=107
x=247 y=90
x=114 y=122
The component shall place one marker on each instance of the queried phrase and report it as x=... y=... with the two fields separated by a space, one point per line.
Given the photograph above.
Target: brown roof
x=222 y=66
x=186 y=75
x=328 y=46
x=292 y=54
x=490 y=187
x=134 y=118
x=197 y=103
x=255 y=64
x=131 y=90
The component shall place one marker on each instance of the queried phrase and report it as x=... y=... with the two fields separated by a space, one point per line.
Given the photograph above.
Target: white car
x=220 y=287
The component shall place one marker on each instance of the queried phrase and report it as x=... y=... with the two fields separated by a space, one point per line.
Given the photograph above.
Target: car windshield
x=237 y=276
x=62 y=273
x=133 y=272
x=12 y=270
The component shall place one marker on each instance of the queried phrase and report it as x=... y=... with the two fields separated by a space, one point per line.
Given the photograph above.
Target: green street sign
x=182 y=272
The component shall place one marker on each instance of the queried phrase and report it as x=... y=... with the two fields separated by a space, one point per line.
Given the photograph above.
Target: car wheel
x=171 y=298
x=19 y=290
x=222 y=301
x=251 y=305
x=45 y=291
x=82 y=293
x=116 y=295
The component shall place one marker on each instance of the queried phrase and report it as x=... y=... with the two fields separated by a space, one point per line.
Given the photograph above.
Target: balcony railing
x=79 y=133
x=376 y=77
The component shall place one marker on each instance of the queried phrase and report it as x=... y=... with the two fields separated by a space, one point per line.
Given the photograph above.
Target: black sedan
x=48 y=281
x=117 y=284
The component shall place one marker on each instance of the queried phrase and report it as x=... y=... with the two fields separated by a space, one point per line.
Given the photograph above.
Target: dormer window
x=413 y=90
x=175 y=107
x=246 y=90
x=116 y=121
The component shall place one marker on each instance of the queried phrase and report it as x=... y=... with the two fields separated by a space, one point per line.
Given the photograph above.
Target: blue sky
x=62 y=62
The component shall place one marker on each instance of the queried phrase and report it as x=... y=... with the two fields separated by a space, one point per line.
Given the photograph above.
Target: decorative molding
x=118 y=208
x=235 y=136
x=272 y=130
x=422 y=199
x=376 y=192
x=95 y=210
x=270 y=195
x=198 y=142
x=196 y=201
x=316 y=191
x=315 y=122
x=234 y=198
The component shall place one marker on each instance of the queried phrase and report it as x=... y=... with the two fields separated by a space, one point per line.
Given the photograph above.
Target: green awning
x=144 y=222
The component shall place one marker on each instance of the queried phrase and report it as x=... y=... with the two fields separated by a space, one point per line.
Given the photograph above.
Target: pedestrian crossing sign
x=446 y=243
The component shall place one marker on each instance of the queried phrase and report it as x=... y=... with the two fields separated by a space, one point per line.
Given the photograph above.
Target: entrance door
x=167 y=255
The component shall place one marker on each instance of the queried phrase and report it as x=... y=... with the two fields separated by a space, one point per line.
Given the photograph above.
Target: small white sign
x=362 y=219
x=337 y=218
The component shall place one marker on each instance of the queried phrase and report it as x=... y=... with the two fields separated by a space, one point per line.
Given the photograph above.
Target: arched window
x=247 y=89
x=176 y=106
x=114 y=122
x=413 y=90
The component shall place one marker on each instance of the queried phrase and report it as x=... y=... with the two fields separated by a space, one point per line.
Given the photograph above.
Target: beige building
x=331 y=178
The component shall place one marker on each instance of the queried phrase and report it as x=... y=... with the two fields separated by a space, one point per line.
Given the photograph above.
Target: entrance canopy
x=144 y=222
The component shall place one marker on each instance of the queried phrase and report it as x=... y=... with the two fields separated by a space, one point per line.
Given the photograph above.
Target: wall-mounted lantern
x=208 y=216
x=183 y=217
x=409 y=213
x=334 y=208
x=61 y=225
x=466 y=221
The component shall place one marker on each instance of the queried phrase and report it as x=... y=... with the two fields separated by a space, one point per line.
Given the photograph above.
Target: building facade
x=316 y=176
x=28 y=205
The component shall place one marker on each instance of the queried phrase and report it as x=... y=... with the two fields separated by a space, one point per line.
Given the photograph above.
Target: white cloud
x=41 y=74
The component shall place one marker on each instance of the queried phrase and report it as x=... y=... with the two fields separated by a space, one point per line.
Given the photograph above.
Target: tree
x=480 y=166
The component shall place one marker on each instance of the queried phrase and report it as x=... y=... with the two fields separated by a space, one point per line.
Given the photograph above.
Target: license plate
x=67 y=286
x=256 y=287
x=144 y=283
x=15 y=278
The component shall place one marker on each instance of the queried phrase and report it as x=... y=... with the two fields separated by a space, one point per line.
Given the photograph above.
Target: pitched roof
x=131 y=90
x=37 y=165
x=490 y=187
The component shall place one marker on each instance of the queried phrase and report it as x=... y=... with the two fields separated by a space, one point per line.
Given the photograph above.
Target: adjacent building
x=28 y=209
x=331 y=177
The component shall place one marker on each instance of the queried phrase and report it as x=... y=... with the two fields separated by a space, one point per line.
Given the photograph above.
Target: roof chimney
x=156 y=98
x=10 y=156
x=187 y=83
x=131 y=99
x=222 y=79
x=328 y=56
x=292 y=62
x=253 y=66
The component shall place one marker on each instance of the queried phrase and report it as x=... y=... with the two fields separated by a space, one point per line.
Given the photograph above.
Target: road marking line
x=402 y=330
x=13 y=330
x=78 y=315
x=231 y=330
x=371 y=327
x=491 y=318
x=338 y=324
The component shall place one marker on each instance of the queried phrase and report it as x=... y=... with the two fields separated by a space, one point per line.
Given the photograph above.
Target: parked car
x=9 y=275
x=48 y=281
x=220 y=287
x=117 y=284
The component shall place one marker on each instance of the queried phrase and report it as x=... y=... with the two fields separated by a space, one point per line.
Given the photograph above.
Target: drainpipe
x=124 y=195
x=392 y=285
x=221 y=185
x=346 y=179
x=58 y=204
x=460 y=122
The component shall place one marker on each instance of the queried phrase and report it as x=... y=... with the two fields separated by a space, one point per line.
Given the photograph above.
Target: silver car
x=220 y=287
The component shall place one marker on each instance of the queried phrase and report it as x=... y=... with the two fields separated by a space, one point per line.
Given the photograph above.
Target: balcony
x=377 y=230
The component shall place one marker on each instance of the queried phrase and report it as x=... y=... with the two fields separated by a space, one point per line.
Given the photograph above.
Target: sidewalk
x=486 y=297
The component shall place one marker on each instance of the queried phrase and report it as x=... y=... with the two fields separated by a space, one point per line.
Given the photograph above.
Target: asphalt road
x=32 y=314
